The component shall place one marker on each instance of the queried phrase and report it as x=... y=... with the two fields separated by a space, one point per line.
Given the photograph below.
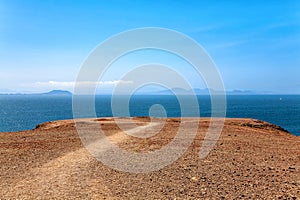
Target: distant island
x=52 y=92
x=57 y=92
x=173 y=91
x=204 y=91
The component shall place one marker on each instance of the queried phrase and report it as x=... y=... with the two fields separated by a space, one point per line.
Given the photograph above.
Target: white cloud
x=64 y=84
x=283 y=25
x=229 y=44
x=69 y=85
x=54 y=83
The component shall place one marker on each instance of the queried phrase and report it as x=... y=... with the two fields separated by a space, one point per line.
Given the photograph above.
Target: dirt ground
x=251 y=160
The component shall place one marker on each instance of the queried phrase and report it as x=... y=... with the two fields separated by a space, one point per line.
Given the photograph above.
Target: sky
x=255 y=45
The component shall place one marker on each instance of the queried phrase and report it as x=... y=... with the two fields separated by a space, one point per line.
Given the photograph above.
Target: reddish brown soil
x=251 y=160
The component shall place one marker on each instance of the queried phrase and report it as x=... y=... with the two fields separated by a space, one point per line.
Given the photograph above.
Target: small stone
x=292 y=168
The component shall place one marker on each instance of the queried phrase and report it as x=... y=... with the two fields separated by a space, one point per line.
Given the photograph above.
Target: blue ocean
x=24 y=112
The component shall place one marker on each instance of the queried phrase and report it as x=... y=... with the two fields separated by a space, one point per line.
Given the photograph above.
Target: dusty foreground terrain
x=251 y=160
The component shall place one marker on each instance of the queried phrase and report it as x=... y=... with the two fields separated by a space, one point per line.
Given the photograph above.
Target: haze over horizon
x=255 y=46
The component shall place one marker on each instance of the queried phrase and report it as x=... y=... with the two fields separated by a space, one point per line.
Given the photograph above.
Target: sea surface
x=24 y=112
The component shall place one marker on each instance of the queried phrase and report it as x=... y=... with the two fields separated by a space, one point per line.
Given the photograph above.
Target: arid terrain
x=251 y=160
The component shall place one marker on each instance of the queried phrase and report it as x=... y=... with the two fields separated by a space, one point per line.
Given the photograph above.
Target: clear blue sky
x=255 y=44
